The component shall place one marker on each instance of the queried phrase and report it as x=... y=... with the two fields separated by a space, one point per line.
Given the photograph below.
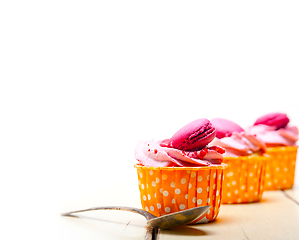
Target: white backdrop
x=83 y=81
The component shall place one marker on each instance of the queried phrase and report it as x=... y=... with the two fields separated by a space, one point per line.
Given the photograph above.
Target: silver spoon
x=167 y=221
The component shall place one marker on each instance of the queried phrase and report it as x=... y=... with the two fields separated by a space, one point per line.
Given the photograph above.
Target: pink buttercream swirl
x=287 y=136
x=159 y=154
x=240 y=144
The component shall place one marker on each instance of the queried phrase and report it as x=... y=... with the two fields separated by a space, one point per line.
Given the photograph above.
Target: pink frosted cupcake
x=280 y=139
x=182 y=172
x=244 y=155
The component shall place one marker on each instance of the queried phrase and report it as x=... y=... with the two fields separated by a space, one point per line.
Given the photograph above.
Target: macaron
x=193 y=136
x=278 y=120
x=225 y=128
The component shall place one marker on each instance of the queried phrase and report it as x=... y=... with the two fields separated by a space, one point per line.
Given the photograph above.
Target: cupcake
x=182 y=172
x=244 y=154
x=280 y=139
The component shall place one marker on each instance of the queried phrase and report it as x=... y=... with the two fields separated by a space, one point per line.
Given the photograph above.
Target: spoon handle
x=146 y=214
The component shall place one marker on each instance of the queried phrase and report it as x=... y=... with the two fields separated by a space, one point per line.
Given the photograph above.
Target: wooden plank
x=293 y=193
x=105 y=224
x=275 y=217
x=108 y=225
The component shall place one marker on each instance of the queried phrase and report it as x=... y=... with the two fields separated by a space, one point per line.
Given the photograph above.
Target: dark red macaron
x=193 y=136
x=225 y=128
x=278 y=120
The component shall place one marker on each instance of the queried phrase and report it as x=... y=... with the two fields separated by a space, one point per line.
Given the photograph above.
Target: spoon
x=167 y=221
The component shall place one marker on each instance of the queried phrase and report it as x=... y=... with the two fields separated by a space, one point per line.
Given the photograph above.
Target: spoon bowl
x=167 y=221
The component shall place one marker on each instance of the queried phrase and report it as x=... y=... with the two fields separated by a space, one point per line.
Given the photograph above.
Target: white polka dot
x=149 y=197
x=153 y=183
x=228 y=194
x=177 y=191
x=243 y=187
x=158 y=205
x=193 y=174
x=208 y=200
x=199 y=201
x=214 y=175
x=277 y=169
x=167 y=209
x=147 y=185
x=144 y=197
x=165 y=193
x=194 y=199
x=228 y=184
x=155 y=195
x=236 y=191
x=140 y=175
x=255 y=193
x=199 y=178
x=173 y=201
x=172 y=184
x=285 y=169
x=251 y=174
x=146 y=208
x=139 y=182
x=157 y=180
x=217 y=192
x=183 y=181
x=234 y=183
x=199 y=190
x=190 y=185
x=186 y=196
x=164 y=176
x=219 y=176
x=209 y=211
x=208 y=188
x=161 y=190
x=151 y=172
x=208 y=177
x=182 y=206
x=239 y=200
x=214 y=186
x=251 y=188
x=142 y=186
x=152 y=208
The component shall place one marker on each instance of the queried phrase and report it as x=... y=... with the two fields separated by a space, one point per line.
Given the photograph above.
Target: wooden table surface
x=275 y=217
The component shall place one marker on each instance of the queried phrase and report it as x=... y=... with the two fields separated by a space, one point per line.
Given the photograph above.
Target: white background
x=82 y=81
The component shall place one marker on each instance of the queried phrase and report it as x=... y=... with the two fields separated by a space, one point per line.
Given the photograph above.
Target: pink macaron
x=193 y=136
x=225 y=128
x=278 y=120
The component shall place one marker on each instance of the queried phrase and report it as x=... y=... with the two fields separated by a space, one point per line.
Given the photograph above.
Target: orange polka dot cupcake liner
x=280 y=171
x=244 y=179
x=165 y=190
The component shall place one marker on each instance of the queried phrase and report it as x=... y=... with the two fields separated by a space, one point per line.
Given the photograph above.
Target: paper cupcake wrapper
x=280 y=171
x=244 y=179
x=165 y=190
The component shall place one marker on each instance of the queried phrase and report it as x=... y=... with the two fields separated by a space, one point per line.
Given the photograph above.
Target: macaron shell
x=194 y=135
x=225 y=128
x=278 y=120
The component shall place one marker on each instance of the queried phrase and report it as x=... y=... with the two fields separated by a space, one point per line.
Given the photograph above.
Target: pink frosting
x=240 y=144
x=157 y=154
x=287 y=136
